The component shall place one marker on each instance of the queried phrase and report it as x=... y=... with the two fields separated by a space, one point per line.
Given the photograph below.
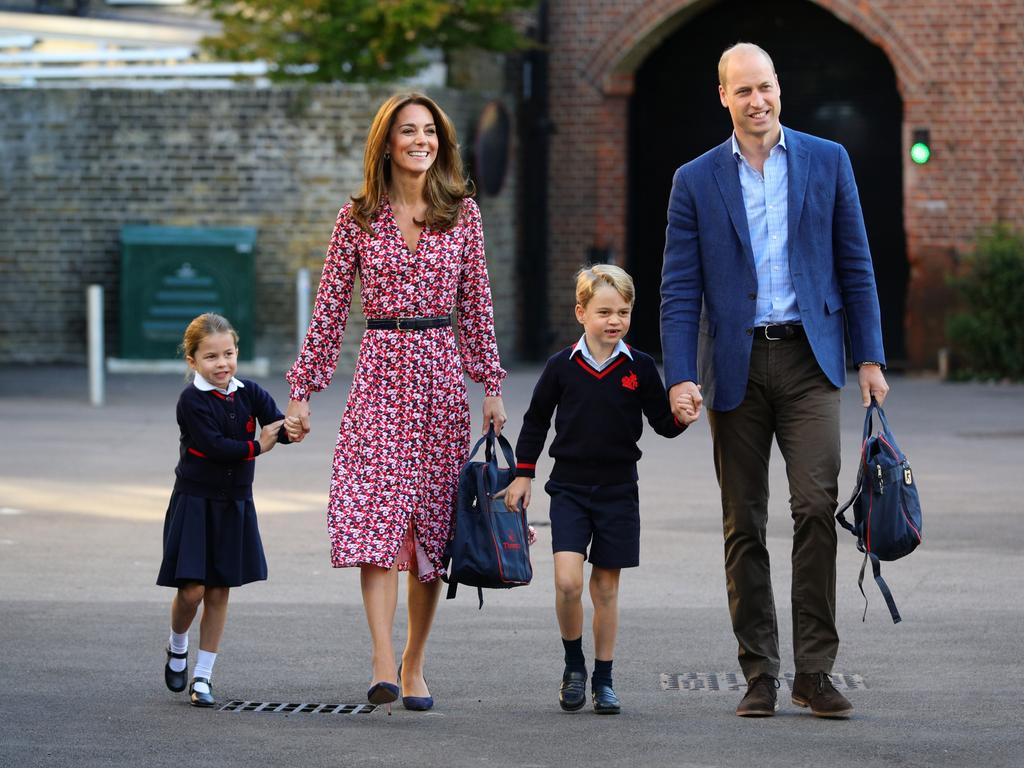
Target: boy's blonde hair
x=590 y=278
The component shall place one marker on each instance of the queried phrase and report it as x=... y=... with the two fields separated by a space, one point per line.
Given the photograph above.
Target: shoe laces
x=824 y=682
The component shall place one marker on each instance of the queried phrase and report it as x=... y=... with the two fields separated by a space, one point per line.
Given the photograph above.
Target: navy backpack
x=489 y=547
x=886 y=507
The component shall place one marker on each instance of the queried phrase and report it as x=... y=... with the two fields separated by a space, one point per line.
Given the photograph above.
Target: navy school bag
x=886 y=507
x=489 y=546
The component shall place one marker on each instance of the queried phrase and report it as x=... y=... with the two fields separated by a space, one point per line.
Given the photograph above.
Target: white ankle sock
x=179 y=644
x=204 y=668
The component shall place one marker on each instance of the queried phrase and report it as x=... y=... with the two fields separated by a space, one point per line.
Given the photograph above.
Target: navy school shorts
x=605 y=517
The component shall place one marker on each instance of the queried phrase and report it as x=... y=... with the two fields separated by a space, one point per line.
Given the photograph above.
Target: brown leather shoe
x=815 y=690
x=760 y=700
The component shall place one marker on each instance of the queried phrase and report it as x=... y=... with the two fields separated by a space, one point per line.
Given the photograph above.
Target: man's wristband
x=870 y=362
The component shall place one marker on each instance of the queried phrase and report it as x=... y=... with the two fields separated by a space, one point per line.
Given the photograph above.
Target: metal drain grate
x=733 y=681
x=297 y=709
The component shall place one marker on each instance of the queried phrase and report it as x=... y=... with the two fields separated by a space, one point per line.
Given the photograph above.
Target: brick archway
x=611 y=70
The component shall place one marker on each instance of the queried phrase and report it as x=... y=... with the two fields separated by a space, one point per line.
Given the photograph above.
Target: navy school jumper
x=218 y=444
x=599 y=417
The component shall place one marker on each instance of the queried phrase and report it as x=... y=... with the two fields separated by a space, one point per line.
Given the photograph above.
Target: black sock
x=574 y=658
x=602 y=673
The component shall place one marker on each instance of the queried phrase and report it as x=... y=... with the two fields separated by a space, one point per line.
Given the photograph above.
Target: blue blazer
x=709 y=284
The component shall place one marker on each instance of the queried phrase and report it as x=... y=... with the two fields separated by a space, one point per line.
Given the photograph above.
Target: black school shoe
x=605 y=700
x=201 y=699
x=572 y=695
x=176 y=681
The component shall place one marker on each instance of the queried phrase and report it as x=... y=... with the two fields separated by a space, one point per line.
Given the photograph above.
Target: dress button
x=230 y=472
x=231 y=416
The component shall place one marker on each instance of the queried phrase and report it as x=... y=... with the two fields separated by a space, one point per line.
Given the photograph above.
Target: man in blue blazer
x=766 y=267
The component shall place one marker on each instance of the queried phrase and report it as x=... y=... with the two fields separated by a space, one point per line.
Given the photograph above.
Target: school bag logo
x=886 y=505
x=631 y=382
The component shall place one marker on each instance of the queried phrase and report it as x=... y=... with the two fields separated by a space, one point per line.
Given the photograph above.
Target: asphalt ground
x=83 y=627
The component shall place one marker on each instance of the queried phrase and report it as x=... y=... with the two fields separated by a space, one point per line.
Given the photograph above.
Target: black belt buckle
x=784 y=332
x=398 y=324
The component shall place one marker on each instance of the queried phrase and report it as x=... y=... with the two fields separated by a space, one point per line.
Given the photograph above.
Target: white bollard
x=301 y=305
x=94 y=301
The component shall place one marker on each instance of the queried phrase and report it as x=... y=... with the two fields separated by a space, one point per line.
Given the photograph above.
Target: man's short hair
x=724 y=60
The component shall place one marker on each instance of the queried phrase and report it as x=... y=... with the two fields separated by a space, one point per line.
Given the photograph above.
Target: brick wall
x=77 y=165
x=959 y=72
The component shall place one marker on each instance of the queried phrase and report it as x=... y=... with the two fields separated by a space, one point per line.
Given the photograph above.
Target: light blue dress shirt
x=766 y=199
x=582 y=348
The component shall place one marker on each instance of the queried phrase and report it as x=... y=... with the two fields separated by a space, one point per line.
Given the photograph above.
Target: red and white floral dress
x=406 y=428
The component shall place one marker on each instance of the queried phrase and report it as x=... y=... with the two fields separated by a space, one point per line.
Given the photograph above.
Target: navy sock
x=602 y=673
x=575 y=661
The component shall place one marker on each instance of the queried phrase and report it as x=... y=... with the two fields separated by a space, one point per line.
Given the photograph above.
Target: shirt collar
x=202 y=384
x=581 y=346
x=736 y=145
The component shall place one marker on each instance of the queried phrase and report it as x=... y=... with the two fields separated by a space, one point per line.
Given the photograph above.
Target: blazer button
x=752 y=296
x=750 y=331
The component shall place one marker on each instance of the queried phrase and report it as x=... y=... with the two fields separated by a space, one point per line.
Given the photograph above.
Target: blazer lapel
x=728 y=177
x=797 y=171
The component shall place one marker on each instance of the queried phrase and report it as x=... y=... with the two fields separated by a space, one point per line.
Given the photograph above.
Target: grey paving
x=82 y=627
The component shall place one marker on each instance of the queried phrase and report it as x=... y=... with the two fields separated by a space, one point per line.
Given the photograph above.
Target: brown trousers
x=789 y=397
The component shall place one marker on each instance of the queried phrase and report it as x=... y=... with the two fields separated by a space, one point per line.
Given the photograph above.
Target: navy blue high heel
x=415 y=703
x=382 y=694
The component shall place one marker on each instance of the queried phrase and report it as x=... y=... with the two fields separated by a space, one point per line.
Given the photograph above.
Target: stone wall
x=77 y=165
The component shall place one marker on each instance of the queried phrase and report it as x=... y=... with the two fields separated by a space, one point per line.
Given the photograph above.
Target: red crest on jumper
x=250 y=426
x=631 y=381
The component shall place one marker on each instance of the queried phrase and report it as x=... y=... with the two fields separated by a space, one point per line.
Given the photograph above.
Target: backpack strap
x=876 y=568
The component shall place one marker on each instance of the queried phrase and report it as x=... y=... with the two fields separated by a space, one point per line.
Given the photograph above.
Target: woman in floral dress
x=415 y=238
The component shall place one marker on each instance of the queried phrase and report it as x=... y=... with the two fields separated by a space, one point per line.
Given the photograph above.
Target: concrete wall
x=77 y=165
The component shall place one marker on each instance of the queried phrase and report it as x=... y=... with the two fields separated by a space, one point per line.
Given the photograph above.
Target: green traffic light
x=920 y=153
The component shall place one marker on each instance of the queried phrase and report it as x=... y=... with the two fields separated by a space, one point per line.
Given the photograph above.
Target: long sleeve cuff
x=299 y=392
x=524 y=469
x=492 y=387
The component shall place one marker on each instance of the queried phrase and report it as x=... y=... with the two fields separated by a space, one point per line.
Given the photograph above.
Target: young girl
x=601 y=387
x=211 y=539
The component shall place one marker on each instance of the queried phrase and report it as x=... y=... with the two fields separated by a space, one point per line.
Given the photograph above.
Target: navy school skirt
x=213 y=541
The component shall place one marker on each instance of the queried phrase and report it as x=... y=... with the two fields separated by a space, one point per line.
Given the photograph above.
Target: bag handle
x=492 y=459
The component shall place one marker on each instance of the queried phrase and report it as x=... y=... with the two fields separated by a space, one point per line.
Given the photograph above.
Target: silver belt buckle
x=398 y=324
x=771 y=338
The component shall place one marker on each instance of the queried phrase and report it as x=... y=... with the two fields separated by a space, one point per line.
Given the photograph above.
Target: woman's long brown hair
x=446 y=182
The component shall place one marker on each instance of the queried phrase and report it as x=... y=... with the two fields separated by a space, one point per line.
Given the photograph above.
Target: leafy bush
x=988 y=336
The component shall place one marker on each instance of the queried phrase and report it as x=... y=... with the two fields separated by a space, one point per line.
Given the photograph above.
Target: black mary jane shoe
x=572 y=694
x=176 y=681
x=605 y=700
x=198 y=698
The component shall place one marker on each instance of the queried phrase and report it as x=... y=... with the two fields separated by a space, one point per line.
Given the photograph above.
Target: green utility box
x=171 y=274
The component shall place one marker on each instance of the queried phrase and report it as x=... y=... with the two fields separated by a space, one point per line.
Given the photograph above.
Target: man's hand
x=872 y=383
x=296 y=422
x=685 y=400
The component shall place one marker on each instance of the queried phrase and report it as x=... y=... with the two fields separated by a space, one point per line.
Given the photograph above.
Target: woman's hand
x=494 y=413
x=296 y=422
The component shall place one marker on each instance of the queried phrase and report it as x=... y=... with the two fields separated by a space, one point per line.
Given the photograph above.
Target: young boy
x=601 y=388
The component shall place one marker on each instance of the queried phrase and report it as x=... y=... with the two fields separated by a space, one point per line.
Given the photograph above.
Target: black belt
x=778 y=332
x=407 y=323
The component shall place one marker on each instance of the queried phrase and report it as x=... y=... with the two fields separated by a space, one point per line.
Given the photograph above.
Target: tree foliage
x=358 y=40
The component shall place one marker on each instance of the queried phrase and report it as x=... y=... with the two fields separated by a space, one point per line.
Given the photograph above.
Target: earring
x=387 y=155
